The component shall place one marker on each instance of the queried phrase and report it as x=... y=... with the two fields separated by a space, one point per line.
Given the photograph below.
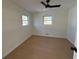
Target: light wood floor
x=38 y=47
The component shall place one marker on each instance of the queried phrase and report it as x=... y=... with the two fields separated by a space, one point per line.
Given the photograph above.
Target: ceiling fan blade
x=43 y=3
x=54 y=6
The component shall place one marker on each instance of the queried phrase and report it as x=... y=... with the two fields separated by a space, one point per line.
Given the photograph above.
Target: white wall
x=72 y=27
x=13 y=31
x=72 y=24
x=57 y=29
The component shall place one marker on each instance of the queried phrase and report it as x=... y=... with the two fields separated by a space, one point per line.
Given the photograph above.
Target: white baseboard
x=16 y=46
x=51 y=36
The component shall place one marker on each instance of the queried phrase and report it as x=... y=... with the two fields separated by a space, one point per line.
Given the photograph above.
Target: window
x=47 y=20
x=24 y=20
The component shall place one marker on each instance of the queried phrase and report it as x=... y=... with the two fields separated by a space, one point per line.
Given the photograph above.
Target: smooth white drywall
x=13 y=31
x=72 y=28
x=72 y=24
x=57 y=29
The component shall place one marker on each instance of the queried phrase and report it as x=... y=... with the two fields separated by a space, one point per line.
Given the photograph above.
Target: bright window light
x=24 y=20
x=47 y=20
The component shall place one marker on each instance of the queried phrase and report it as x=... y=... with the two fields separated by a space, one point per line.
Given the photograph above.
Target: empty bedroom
x=39 y=29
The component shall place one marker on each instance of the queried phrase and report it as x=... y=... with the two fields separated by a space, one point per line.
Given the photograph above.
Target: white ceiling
x=36 y=6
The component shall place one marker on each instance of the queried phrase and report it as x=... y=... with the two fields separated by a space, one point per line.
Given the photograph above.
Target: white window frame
x=25 y=22
x=47 y=21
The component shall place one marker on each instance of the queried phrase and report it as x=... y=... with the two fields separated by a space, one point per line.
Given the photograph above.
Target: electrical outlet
x=47 y=34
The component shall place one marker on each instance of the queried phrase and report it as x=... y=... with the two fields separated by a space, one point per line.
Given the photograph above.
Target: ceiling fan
x=47 y=5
